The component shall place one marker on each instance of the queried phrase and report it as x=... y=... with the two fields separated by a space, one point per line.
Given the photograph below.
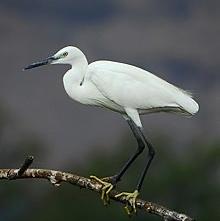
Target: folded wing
x=133 y=87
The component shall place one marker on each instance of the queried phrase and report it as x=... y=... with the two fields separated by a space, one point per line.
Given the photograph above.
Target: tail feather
x=189 y=104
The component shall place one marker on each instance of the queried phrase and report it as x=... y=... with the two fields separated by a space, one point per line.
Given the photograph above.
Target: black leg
x=141 y=146
x=142 y=141
x=150 y=156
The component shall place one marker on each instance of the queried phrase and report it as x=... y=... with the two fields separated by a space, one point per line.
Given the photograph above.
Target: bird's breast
x=84 y=92
x=88 y=94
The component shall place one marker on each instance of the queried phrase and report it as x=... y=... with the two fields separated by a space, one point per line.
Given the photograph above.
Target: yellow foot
x=131 y=201
x=107 y=187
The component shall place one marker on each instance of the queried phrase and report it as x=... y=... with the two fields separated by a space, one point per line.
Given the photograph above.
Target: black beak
x=38 y=64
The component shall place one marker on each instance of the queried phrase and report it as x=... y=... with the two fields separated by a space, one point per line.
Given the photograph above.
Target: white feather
x=120 y=87
x=133 y=87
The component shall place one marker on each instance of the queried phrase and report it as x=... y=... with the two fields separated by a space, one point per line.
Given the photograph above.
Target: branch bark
x=57 y=177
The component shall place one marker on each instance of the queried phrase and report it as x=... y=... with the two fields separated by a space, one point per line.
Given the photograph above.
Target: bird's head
x=65 y=55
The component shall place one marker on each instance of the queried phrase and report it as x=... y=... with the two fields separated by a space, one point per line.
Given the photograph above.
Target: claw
x=131 y=201
x=107 y=187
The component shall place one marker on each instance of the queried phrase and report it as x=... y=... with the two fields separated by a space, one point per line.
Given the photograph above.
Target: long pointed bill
x=38 y=64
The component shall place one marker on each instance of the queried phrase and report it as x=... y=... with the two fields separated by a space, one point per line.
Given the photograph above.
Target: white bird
x=123 y=88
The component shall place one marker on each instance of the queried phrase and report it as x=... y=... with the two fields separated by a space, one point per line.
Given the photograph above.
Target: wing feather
x=133 y=87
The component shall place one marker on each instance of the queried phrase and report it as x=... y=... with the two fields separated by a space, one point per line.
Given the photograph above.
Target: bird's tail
x=188 y=104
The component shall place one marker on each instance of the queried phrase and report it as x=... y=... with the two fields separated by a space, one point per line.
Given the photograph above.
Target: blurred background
x=177 y=40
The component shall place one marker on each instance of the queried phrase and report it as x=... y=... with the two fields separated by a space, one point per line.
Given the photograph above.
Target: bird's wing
x=133 y=87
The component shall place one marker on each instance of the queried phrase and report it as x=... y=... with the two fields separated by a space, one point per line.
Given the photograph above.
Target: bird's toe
x=105 y=190
x=130 y=198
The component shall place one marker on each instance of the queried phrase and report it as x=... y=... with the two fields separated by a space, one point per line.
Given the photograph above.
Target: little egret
x=126 y=89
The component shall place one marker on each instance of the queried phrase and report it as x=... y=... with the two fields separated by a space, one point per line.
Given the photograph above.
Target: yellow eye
x=65 y=54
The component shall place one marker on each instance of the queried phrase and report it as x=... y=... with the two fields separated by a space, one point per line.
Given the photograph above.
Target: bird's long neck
x=78 y=70
x=73 y=79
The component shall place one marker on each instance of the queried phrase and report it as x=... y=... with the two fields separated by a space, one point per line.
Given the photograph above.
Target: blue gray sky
x=177 y=40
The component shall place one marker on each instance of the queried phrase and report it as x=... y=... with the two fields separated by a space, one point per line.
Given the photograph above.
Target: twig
x=28 y=161
x=56 y=177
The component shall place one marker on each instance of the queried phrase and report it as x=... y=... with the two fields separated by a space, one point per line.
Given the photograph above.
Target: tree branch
x=56 y=177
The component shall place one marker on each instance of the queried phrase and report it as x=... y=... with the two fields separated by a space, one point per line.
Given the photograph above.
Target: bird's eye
x=65 y=54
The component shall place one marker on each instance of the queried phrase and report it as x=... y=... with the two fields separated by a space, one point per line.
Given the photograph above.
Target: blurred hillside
x=186 y=182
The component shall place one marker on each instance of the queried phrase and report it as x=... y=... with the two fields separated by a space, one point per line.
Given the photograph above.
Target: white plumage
x=123 y=88
x=120 y=87
x=126 y=89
